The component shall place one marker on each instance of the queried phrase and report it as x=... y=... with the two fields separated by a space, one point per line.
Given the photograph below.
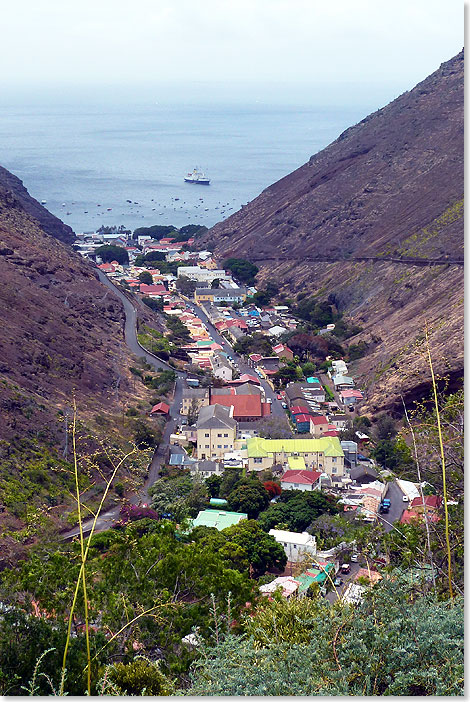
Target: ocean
x=87 y=161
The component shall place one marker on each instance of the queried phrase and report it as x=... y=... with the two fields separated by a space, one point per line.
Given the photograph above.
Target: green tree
x=213 y=484
x=109 y=253
x=297 y=510
x=146 y=277
x=248 y=496
x=215 y=283
x=186 y=286
x=230 y=479
x=262 y=550
x=241 y=269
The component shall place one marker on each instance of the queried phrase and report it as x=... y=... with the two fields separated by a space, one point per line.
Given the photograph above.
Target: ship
x=197 y=176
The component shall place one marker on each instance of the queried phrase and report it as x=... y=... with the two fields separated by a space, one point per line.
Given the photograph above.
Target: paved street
x=397 y=507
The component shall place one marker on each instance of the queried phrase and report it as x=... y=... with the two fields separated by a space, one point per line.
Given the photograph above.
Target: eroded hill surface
x=366 y=219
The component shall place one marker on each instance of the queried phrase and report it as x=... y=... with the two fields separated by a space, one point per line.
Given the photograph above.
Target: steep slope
x=62 y=332
x=50 y=224
x=364 y=219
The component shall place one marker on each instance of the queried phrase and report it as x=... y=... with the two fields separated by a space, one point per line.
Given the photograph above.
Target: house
x=318 y=426
x=221 y=367
x=276 y=330
x=246 y=408
x=286 y=584
x=194 y=397
x=323 y=454
x=216 y=431
x=295 y=545
x=304 y=480
x=236 y=333
x=217 y=295
x=160 y=409
x=363 y=474
x=343 y=382
x=205 y=469
x=339 y=420
x=350 y=452
x=243 y=389
x=245 y=378
x=283 y=351
x=298 y=409
x=318 y=573
x=416 y=509
x=219 y=519
x=350 y=397
x=302 y=423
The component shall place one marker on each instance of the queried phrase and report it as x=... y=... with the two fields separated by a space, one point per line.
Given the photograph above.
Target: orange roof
x=243 y=405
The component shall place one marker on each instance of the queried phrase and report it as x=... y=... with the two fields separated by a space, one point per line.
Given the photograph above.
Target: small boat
x=43 y=202
x=197 y=176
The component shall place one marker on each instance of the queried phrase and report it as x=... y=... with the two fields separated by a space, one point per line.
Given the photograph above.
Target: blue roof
x=180 y=459
x=313 y=380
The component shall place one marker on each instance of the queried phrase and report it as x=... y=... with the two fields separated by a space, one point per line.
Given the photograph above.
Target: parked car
x=345 y=568
x=279 y=397
x=338 y=582
x=269 y=401
x=406 y=498
x=283 y=404
x=354 y=557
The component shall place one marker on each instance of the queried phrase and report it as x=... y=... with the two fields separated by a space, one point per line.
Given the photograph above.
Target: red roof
x=299 y=410
x=304 y=477
x=155 y=289
x=433 y=501
x=318 y=420
x=352 y=393
x=300 y=418
x=245 y=378
x=330 y=432
x=161 y=407
x=255 y=357
x=243 y=405
x=410 y=515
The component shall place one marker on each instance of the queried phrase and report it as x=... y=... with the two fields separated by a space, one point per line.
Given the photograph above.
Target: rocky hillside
x=376 y=218
x=50 y=224
x=62 y=332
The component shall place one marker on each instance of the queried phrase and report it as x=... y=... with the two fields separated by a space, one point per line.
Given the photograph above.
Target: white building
x=201 y=275
x=295 y=545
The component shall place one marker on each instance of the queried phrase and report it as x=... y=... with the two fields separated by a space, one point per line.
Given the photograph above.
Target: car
x=351 y=409
x=354 y=557
x=406 y=498
x=283 y=404
x=345 y=568
x=279 y=397
x=338 y=582
x=269 y=401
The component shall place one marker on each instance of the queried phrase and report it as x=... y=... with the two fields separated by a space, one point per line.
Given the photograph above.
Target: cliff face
x=50 y=224
x=367 y=219
x=61 y=331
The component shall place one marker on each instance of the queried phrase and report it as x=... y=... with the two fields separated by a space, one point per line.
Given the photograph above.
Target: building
x=318 y=426
x=302 y=423
x=295 y=545
x=350 y=397
x=217 y=295
x=324 y=455
x=221 y=367
x=218 y=519
x=283 y=351
x=216 y=431
x=205 y=469
x=246 y=408
x=343 y=382
x=286 y=584
x=160 y=409
x=339 y=420
x=304 y=480
x=350 y=452
x=201 y=275
x=194 y=397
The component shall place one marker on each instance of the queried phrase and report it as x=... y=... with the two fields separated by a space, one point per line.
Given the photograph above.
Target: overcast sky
x=253 y=43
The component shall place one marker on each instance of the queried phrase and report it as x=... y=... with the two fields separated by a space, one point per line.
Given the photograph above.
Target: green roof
x=219 y=519
x=260 y=448
x=314 y=575
x=296 y=463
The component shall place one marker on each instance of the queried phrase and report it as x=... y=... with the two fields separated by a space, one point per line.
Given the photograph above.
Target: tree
x=144 y=435
x=215 y=283
x=241 y=269
x=262 y=550
x=385 y=428
x=146 y=277
x=274 y=427
x=186 y=286
x=213 y=484
x=297 y=510
x=248 y=496
x=193 y=412
x=109 y=253
x=230 y=479
x=274 y=489
x=155 y=303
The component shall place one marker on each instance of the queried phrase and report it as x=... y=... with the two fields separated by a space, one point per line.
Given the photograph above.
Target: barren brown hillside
x=377 y=219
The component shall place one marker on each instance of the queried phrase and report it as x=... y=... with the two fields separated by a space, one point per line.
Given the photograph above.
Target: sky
x=257 y=47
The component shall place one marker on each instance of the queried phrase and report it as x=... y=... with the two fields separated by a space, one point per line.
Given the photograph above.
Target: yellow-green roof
x=296 y=463
x=260 y=448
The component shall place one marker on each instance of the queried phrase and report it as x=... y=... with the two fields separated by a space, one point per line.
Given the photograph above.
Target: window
x=226 y=435
x=207 y=446
x=219 y=435
x=296 y=485
x=206 y=435
x=219 y=445
x=333 y=460
x=225 y=445
x=258 y=460
x=334 y=469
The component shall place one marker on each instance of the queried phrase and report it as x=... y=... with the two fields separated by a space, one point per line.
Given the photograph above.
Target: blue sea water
x=83 y=159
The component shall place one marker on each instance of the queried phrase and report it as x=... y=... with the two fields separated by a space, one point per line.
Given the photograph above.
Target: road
x=337 y=593
x=276 y=408
x=397 y=506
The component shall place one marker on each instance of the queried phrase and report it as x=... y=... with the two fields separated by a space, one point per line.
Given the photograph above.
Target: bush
x=140 y=677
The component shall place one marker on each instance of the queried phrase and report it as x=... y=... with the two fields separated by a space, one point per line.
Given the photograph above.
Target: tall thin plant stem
x=85 y=555
x=418 y=470
x=443 y=464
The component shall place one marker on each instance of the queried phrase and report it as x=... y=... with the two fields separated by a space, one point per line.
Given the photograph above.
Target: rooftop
x=215 y=416
x=302 y=477
x=258 y=447
x=219 y=519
